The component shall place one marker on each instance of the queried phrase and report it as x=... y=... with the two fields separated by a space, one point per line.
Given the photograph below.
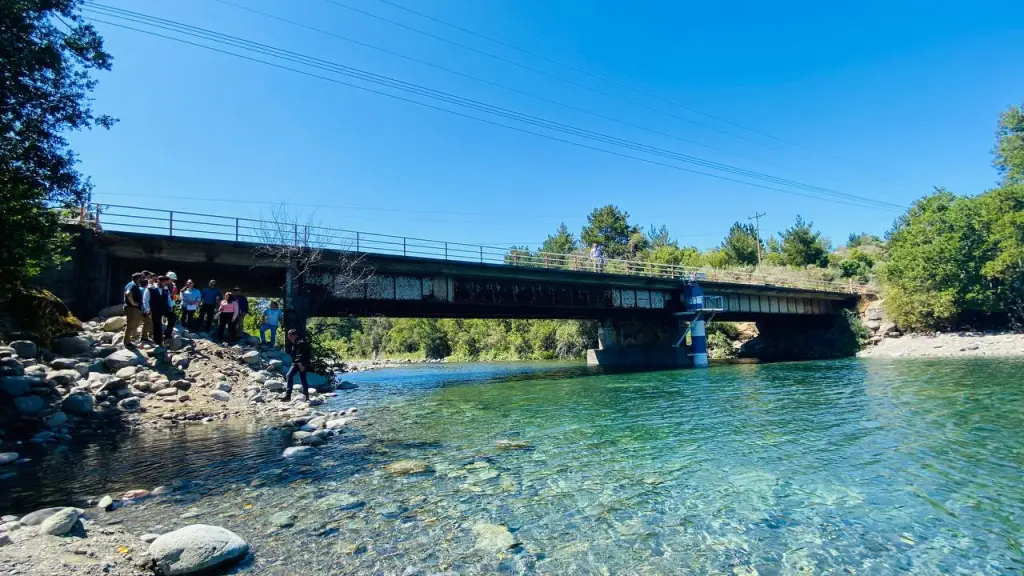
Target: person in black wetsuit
x=298 y=348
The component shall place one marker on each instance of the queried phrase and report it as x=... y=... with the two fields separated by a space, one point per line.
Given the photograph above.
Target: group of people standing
x=152 y=305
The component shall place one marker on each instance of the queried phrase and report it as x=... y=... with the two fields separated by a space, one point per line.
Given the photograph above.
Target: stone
x=220 y=395
x=11 y=367
x=136 y=494
x=130 y=404
x=297 y=452
x=180 y=361
x=55 y=420
x=106 y=503
x=72 y=345
x=43 y=437
x=183 y=385
x=346 y=385
x=252 y=357
x=115 y=310
x=59 y=523
x=36 y=518
x=184 y=397
x=7 y=458
x=149 y=538
x=316 y=423
x=123 y=359
x=492 y=537
x=403 y=467
x=284 y=519
x=275 y=365
x=320 y=383
x=126 y=372
x=78 y=404
x=512 y=444
x=161 y=490
x=29 y=405
x=167 y=392
x=224 y=387
x=4 y=539
x=64 y=377
x=337 y=423
x=114 y=324
x=25 y=348
x=14 y=386
x=196 y=548
x=274 y=385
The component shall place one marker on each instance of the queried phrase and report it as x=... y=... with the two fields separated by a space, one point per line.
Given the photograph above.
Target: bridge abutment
x=639 y=344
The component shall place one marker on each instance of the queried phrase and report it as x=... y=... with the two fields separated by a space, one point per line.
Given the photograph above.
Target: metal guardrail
x=122 y=218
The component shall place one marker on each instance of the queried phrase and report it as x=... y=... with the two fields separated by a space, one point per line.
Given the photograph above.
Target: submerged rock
x=298 y=452
x=284 y=519
x=403 y=467
x=513 y=444
x=196 y=548
x=492 y=537
x=8 y=457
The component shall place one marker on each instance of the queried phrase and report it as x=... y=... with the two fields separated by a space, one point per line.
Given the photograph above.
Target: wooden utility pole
x=757 y=232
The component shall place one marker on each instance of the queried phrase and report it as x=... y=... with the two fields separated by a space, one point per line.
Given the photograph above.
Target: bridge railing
x=187 y=224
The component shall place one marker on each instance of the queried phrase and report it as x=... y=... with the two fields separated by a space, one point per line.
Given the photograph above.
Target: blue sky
x=879 y=99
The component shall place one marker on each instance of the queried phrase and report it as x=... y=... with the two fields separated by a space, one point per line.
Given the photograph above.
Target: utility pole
x=757 y=232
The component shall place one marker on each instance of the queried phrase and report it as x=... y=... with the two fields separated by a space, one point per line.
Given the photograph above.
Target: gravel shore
x=954 y=344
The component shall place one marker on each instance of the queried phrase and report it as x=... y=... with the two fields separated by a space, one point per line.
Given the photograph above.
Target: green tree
x=862 y=239
x=561 y=242
x=49 y=53
x=609 y=227
x=659 y=237
x=1003 y=217
x=742 y=244
x=1009 y=150
x=801 y=246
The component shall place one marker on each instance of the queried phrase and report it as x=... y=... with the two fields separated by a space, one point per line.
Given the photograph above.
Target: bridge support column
x=638 y=344
x=699 y=342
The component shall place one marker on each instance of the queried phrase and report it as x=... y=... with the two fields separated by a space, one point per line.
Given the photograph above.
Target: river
x=857 y=466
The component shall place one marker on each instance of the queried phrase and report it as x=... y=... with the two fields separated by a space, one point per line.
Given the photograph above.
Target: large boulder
x=14 y=386
x=72 y=345
x=29 y=405
x=251 y=357
x=78 y=404
x=25 y=348
x=36 y=518
x=109 y=311
x=196 y=548
x=124 y=359
x=59 y=523
x=11 y=367
x=114 y=324
x=319 y=383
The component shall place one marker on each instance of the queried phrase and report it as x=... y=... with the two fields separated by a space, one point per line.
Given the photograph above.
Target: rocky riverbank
x=954 y=344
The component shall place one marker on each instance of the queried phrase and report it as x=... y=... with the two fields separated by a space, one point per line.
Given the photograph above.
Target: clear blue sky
x=884 y=99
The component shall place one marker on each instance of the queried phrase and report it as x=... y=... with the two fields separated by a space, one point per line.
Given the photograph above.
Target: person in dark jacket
x=243 y=309
x=298 y=349
x=160 y=307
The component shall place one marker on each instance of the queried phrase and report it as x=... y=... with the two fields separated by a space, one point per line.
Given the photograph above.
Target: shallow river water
x=839 y=467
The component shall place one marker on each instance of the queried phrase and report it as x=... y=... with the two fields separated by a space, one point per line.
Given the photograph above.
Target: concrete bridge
x=645 y=309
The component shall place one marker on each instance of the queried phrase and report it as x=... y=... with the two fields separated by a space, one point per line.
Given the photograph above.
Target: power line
x=574 y=83
x=250 y=46
x=478 y=79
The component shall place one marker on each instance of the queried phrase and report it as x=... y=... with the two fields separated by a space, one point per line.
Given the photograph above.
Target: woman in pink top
x=228 y=314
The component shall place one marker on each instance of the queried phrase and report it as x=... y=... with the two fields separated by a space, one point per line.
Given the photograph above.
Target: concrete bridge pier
x=638 y=344
x=698 y=342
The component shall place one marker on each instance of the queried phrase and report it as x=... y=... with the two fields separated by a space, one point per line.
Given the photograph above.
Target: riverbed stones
x=252 y=357
x=196 y=548
x=126 y=373
x=78 y=404
x=64 y=377
x=29 y=405
x=512 y=444
x=224 y=386
x=124 y=359
x=55 y=420
x=72 y=345
x=25 y=348
x=60 y=522
x=405 y=467
x=346 y=385
x=337 y=423
x=298 y=452
x=114 y=324
x=492 y=537
x=274 y=385
x=167 y=392
x=284 y=519
x=220 y=395
x=36 y=518
x=131 y=404
x=8 y=458
x=149 y=538
x=14 y=386
x=106 y=503
x=63 y=363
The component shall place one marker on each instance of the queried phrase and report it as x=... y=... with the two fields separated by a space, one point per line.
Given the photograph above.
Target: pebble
x=148 y=538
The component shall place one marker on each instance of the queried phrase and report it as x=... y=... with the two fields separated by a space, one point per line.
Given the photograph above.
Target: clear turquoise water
x=839 y=467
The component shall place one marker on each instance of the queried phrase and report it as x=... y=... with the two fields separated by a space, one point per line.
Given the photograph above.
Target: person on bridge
x=190 y=299
x=298 y=349
x=211 y=297
x=228 y=316
x=270 y=321
x=133 y=309
x=243 y=309
x=597 y=257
